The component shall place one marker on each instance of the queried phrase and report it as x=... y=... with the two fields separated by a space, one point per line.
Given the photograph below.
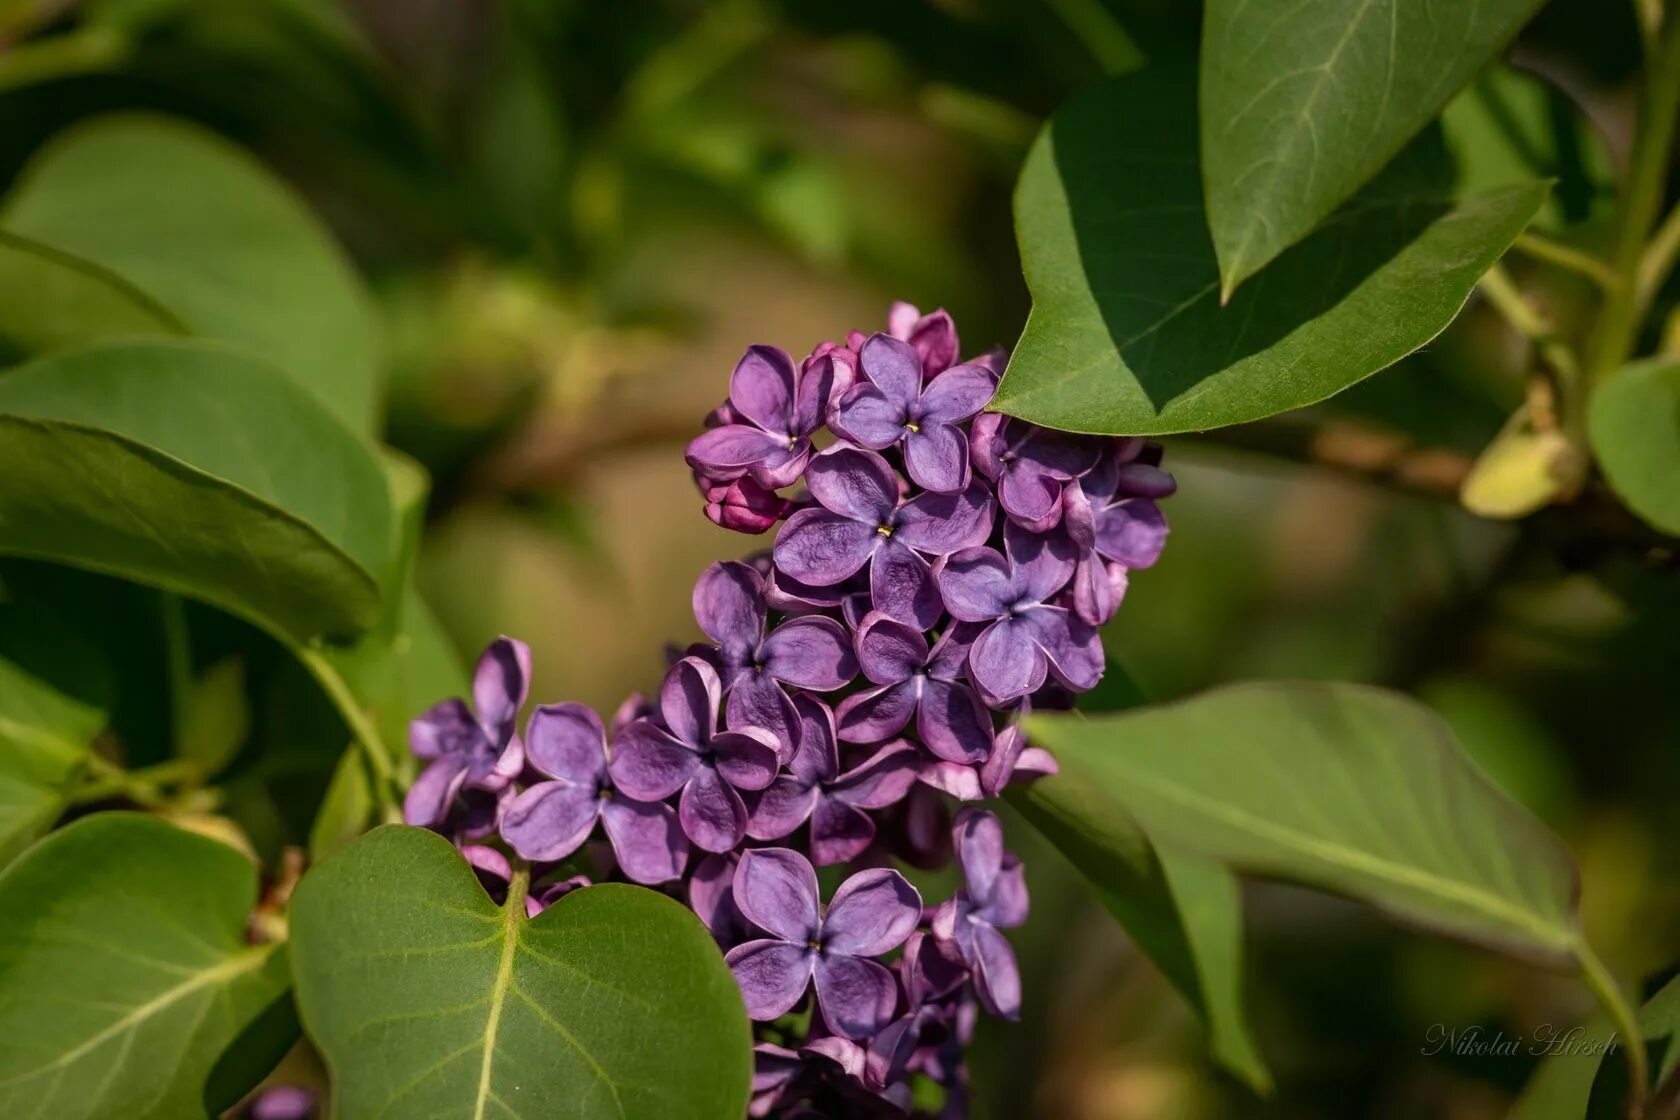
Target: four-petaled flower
x=651 y=762
x=466 y=751
x=871 y=914
x=911 y=679
x=1116 y=530
x=994 y=897
x=550 y=820
x=1029 y=466
x=771 y=413
x=894 y=407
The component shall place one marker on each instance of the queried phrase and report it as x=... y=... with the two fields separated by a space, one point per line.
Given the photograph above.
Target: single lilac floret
x=911 y=679
x=464 y=750
x=994 y=897
x=1115 y=531
x=1029 y=466
x=772 y=411
x=933 y=335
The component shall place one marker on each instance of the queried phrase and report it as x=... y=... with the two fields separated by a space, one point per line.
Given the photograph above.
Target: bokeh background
x=576 y=215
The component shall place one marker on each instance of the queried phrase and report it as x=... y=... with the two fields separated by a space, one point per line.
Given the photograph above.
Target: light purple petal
x=1007 y=907
x=757 y=702
x=902 y=317
x=934 y=337
x=773 y=976
x=823 y=378
x=499 y=682
x=1079 y=516
x=1030 y=495
x=936 y=457
x=776 y=889
x=987 y=440
x=1061 y=455
x=688 y=700
x=877 y=713
x=894 y=367
x=648 y=764
x=997 y=979
x=889 y=651
x=812 y=651
x=901 y=585
x=839 y=832
x=1132 y=532
x=1073 y=647
x=1097 y=590
x=729 y=606
x=726 y=453
x=854 y=483
x=818 y=757
x=1000 y=767
x=822 y=548
x=958 y=393
x=761 y=388
x=567 y=741
x=1006 y=660
x=447 y=727
x=1042 y=562
x=976 y=585
x=783 y=807
x=938 y=524
x=882 y=779
x=783 y=466
x=712 y=813
x=746 y=757
x=711 y=895
x=953 y=723
x=867 y=418
x=428 y=799
x=948 y=660
x=961 y=782
x=871 y=914
x=647 y=839
x=857 y=997
x=977 y=837
x=550 y=820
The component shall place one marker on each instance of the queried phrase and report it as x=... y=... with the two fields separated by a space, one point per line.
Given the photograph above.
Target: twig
x=1564 y=256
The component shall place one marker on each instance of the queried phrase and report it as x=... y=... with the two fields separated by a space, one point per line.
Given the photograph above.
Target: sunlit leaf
x=1634 y=424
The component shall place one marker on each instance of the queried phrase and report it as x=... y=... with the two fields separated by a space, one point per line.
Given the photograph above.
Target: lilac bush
x=938 y=571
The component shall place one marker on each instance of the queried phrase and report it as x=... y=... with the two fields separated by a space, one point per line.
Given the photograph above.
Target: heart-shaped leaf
x=426 y=999
x=1634 y=425
x=198 y=470
x=52 y=301
x=1127 y=334
x=1345 y=787
x=126 y=972
x=215 y=239
x=1303 y=103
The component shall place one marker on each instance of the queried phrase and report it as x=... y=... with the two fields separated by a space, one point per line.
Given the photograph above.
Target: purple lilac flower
x=1115 y=528
x=552 y=819
x=933 y=335
x=688 y=753
x=912 y=679
x=892 y=407
x=464 y=750
x=811 y=652
x=711 y=895
x=994 y=896
x=773 y=409
x=743 y=504
x=837 y=804
x=871 y=914
x=1029 y=466
x=285 y=1102
x=862 y=519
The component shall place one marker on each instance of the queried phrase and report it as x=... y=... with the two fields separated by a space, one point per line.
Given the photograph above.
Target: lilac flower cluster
x=938 y=572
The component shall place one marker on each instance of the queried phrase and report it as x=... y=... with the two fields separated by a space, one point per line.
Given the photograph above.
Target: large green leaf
x=1127 y=334
x=1303 y=103
x=50 y=300
x=1659 y=1023
x=214 y=238
x=1345 y=787
x=55 y=693
x=427 y=1000
x=199 y=470
x=125 y=970
x=1634 y=424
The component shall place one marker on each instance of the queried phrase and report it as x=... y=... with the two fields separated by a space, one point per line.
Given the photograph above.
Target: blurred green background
x=576 y=215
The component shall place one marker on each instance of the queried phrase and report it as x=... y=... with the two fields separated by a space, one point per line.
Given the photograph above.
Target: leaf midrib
x=498 y=994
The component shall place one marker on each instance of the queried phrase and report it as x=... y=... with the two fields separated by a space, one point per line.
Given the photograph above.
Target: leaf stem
x=1622 y=1017
x=139 y=786
x=519 y=885
x=1564 y=256
x=374 y=747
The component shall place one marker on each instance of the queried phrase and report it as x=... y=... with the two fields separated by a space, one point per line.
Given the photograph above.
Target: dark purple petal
x=723 y=454
x=551 y=820
x=712 y=813
x=871 y=914
x=744 y=506
x=784 y=593
x=757 y=701
x=812 y=651
x=948 y=660
x=880 y=780
x=901 y=585
x=773 y=976
x=865 y=416
x=1073 y=647
x=447 y=727
x=711 y=895
x=1097 y=590
x=776 y=889
x=928 y=973
x=953 y=722
x=647 y=839
x=936 y=457
x=976 y=584
x=729 y=606
x=958 y=393
x=1042 y=563
x=567 y=741
x=1144 y=480
x=783 y=807
x=1000 y=767
x=938 y=524
x=997 y=979
x=1006 y=660
x=839 y=832
x=854 y=483
x=977 y=837
x=488 y=863
x=877 y=713
x=688 y=700
x=1007 y=907
x=1079 y=515
x=429 y=798
x=987 y=440
x=822 y=548
x=894 y=367
x=1031 y=496
x=934 y=337
x=889 y=651
x=1061 y=455
x=823 y=378
x=1132 y=532
x=747 y=757
x=761 y=388
x=499 y=683
x=784 y=466
x=648 y=764
x=857 y=997
x=818 y=757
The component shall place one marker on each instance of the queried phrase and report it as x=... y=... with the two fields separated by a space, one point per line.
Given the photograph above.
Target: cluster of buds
x=938 y=571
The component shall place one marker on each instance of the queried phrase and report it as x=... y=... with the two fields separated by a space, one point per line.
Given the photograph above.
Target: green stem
x=374 y=747
x=1622 y=1017
x=1564 y=256
x=139 y=786
x=1637 y=209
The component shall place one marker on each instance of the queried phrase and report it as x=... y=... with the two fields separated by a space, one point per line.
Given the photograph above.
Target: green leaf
x=348 y=809
x=52 y=301
x=193 y=468
x=1302 y=104
x=426 y=999
x=1127 y=335
x=218 y=717
x=1634 y=425
x=1348 y=788
x=55 y=693
x=213 y=237
x=1659 y=1023
x=125 y=968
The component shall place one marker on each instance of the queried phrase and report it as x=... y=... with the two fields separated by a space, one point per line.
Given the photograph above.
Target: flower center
x=912 y=427
x=884 y=530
